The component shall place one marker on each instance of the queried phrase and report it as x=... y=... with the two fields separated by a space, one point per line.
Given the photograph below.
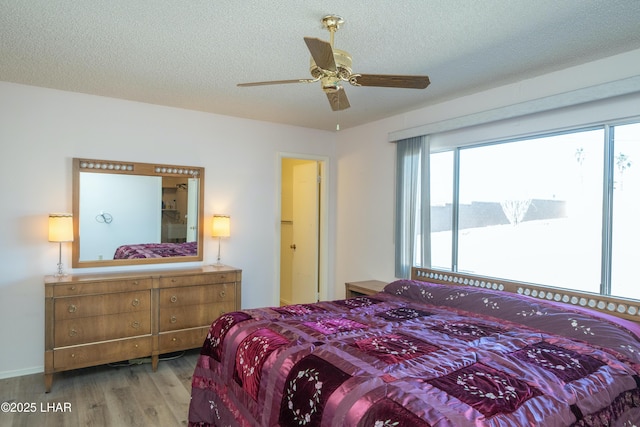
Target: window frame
x=608 y=128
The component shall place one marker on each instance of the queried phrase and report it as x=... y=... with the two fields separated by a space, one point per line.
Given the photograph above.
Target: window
x=626 y=210
x=526 y=211
x=556 y=209
x=441 y=192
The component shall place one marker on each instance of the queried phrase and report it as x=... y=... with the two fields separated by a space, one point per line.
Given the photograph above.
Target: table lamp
x=60 y=230
x=221 y=228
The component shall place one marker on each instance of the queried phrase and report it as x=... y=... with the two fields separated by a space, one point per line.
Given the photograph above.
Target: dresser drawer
x=98 y=305
x=101 y=287
x=101 y=328
x=197 y=279
x=191 y=295
x=98 y=354
x=191 y=316
x=182 y=340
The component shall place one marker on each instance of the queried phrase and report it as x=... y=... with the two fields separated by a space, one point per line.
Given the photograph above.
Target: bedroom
x=42 y=129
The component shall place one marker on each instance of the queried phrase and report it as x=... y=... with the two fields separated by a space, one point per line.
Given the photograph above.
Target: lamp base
x=218 y=264
x=60 y=272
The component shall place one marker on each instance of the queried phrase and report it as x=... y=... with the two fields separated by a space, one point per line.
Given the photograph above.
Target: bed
x=445 y=350
x=156 y=250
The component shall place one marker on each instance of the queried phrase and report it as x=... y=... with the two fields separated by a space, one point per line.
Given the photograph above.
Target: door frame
x=323 y=249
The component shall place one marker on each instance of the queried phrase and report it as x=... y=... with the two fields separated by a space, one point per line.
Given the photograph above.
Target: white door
x=193 y=190
x=305 y=233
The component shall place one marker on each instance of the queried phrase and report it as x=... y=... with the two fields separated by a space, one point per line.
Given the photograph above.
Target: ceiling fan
x=332 y=67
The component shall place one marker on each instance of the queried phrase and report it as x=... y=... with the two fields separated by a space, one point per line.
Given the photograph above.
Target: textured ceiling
x=191 y=54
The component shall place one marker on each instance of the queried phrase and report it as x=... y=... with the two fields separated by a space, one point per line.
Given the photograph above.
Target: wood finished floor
x=104 y=396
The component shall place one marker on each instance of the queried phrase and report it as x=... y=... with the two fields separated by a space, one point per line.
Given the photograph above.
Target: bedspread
x=156 y=250
x=418 y=354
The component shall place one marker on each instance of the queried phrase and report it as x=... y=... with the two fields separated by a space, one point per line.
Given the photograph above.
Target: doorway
x=302 y=225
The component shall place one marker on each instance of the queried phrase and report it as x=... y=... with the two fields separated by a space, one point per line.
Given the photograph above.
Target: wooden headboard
x=625 y=308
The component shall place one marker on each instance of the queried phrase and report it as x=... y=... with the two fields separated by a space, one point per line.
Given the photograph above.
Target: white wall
x=41 y=130
x=366 y=160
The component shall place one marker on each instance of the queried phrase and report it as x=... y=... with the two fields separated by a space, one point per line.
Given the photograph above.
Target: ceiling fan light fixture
x=330 y=84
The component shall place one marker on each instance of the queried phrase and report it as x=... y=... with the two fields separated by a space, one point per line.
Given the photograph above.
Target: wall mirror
x=127 y=213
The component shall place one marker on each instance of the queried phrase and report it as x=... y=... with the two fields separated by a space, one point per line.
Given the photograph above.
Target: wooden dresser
x=95 y=319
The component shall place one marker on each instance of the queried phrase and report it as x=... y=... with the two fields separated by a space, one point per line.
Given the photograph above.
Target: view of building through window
x=532 y=210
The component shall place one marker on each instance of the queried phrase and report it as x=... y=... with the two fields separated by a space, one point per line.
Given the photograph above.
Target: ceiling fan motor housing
x=343 y=66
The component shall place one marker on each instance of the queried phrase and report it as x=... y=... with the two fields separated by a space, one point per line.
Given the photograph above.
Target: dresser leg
x=154 y=362
x=48 y=382
x=48 y=365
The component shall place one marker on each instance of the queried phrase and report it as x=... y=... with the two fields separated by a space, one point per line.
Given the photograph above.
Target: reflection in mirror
x=136 y=213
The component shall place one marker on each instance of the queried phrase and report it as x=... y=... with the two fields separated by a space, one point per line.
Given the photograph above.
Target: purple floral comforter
x=156 y=250
x=418 y=354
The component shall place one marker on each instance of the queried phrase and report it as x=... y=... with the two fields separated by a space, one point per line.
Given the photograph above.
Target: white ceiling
x=191 y=54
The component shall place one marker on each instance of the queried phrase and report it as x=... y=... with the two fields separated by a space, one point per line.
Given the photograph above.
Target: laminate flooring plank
x=90 y=403
x=58 y=410
x=184 y=367
x=104 y=396
x=33 y=406
x=65 y=393
x=147 y=397
x=173 y=393
x=122 y=408
x=8 y=392
x=124 y=393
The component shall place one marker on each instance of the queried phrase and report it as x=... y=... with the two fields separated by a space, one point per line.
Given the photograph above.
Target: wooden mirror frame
x=133 y=168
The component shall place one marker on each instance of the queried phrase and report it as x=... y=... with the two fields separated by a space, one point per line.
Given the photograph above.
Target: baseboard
x=21 y=372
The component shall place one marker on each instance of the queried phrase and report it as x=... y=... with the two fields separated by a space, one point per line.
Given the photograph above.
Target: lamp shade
x=221 y=226
x=60 y=227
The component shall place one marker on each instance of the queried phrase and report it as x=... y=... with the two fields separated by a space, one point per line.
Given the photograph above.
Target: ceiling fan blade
x=277 y=82
x=388 y=80
x=338 y=100
x=321 y=53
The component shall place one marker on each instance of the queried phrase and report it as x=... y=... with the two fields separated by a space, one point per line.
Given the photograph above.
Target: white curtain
x=413 y=219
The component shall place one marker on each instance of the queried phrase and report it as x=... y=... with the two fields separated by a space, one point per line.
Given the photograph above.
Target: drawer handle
x=174 y=339
x=174 y=280
x=223 y=294
x=73 y=332
x=173 y=298
x=135 y=324
x=73 y=355
x=135 y=302
x=173 y=319
x=222 y=276
x=72 y=288
x=136 y=346
x=72 y=308
x=135 y=282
